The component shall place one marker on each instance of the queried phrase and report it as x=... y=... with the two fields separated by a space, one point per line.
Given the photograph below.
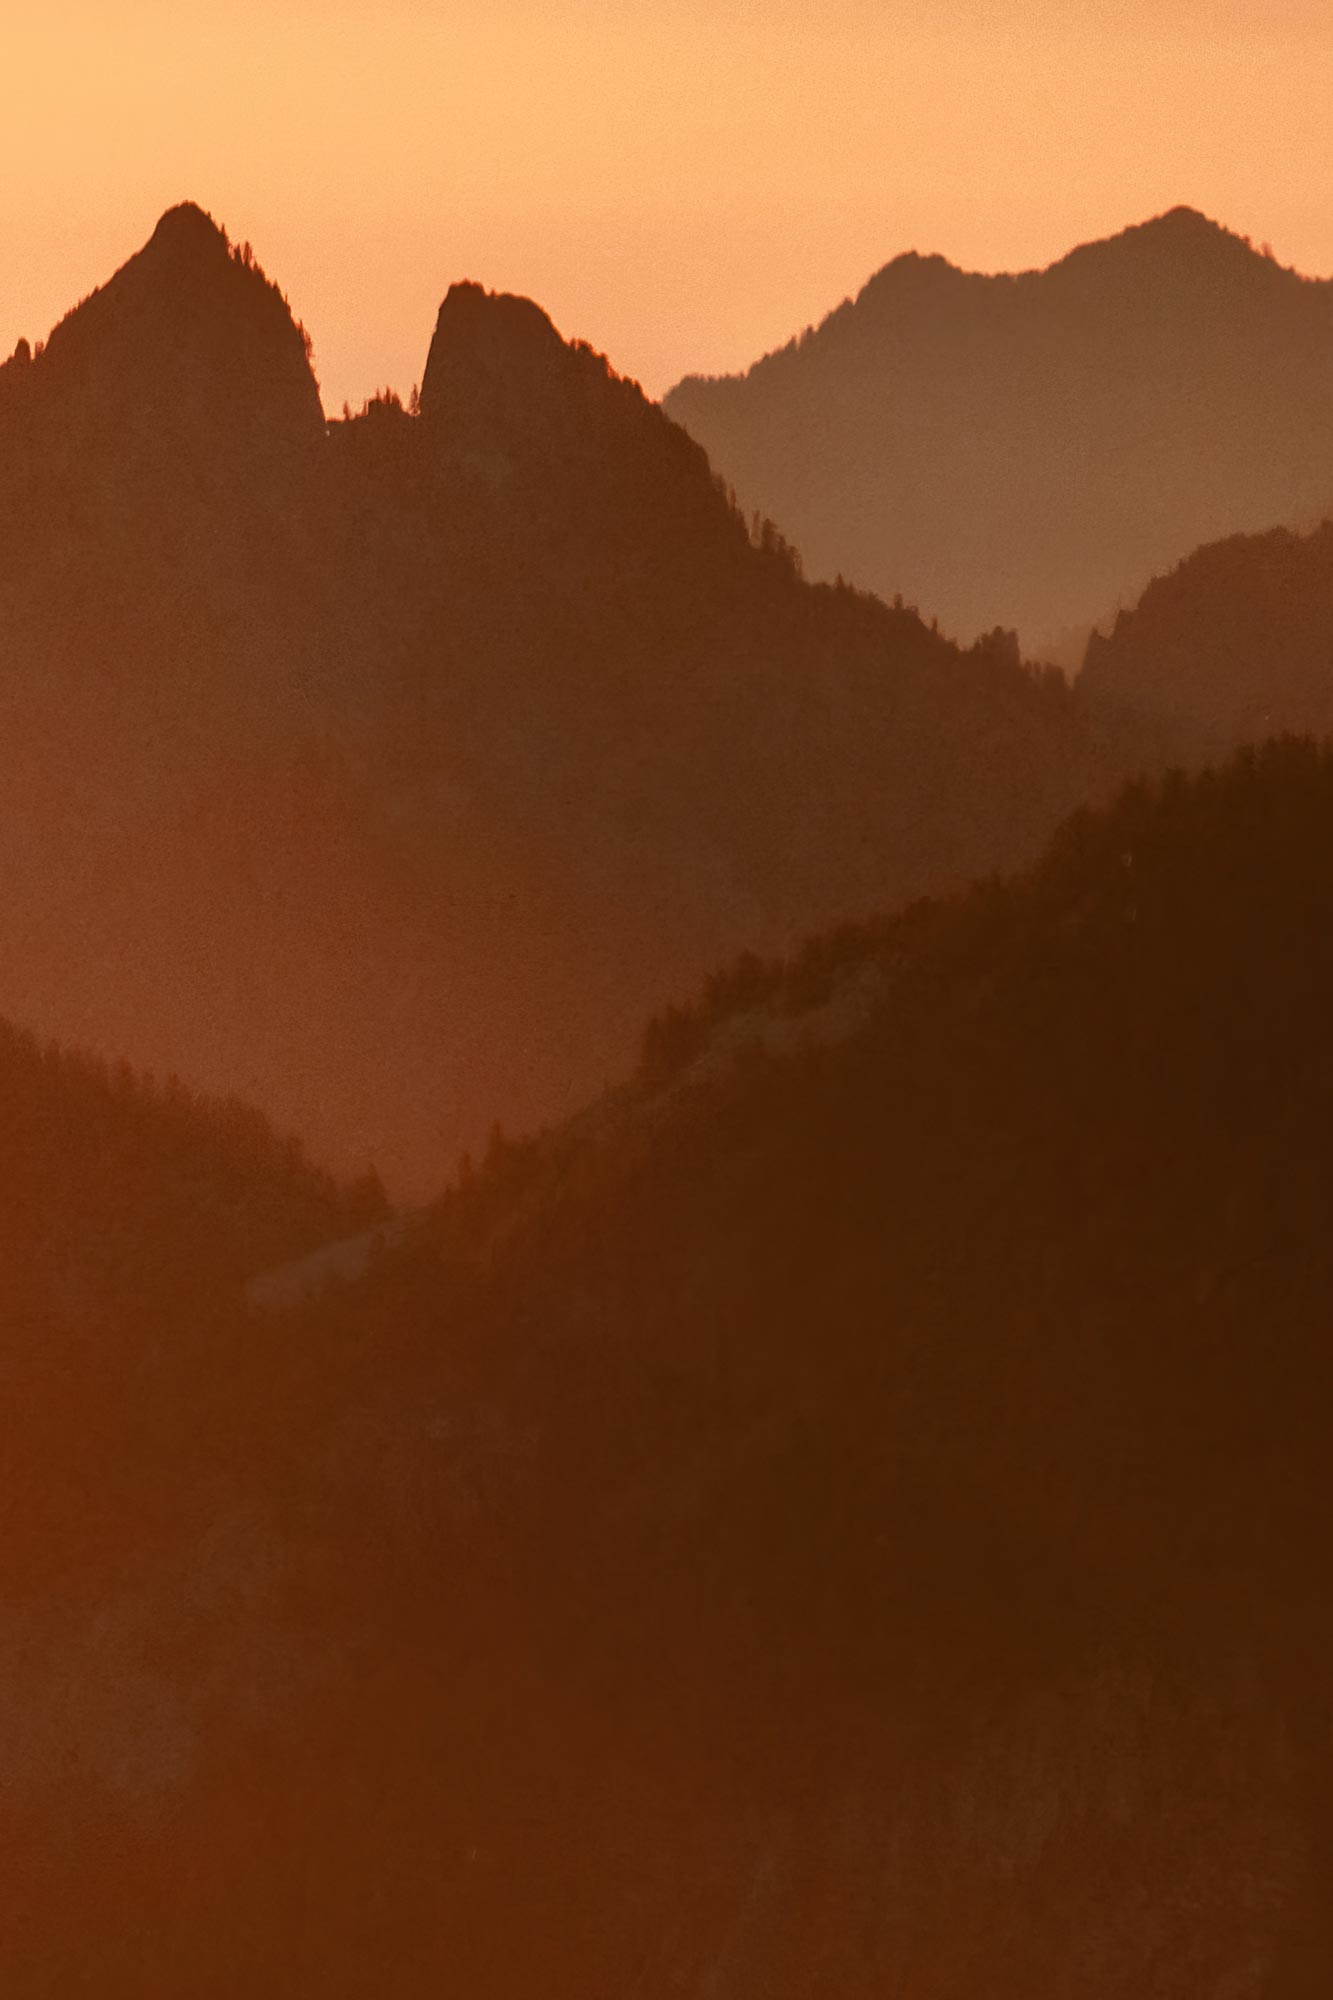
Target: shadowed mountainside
x=848 y=1513
x=1027 y=450
x=130 y=1211
x=389 y=771
x=118 y=1188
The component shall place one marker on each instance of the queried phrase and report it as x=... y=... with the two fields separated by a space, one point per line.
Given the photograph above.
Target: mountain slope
x=1027 y=450
x=847 y=1514
x=117 y=1188
x=391 y=770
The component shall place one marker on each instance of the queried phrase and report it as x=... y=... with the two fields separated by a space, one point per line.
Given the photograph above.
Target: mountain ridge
x=1028 y=449
x=389 y=705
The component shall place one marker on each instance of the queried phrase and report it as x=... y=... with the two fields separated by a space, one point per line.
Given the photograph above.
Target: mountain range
x=1030 y=450
x=390 y=770
x=841 y=1508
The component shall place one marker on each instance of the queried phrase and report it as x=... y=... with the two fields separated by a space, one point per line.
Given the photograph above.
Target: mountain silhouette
x=1027 y=450
x=1233 y=645
x=347 y=760
x=187 y=350
x=848 y=1510
x=193 y=321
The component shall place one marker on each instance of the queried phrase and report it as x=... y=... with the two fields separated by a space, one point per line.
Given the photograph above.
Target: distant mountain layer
x=391 y=770
x=1028 y=450
x=849 y=1513
x=1233 y=645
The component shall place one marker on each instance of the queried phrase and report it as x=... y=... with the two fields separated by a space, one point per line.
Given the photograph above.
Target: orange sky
x=683 y=184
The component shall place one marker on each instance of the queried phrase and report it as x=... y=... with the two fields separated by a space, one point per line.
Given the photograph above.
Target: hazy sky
x=683 y=184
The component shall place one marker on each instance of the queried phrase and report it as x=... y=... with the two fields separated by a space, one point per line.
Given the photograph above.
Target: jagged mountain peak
x=470 y=311
x=498 y=359
x=189 y=325
x=545 y=425
x=188 y=227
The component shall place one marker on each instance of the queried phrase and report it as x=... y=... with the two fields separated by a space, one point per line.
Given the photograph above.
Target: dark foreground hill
x=390 y=771
x=1028 y=450
x=847 y=1515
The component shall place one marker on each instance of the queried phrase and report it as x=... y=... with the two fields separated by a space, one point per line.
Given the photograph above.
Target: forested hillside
x=847 y=1514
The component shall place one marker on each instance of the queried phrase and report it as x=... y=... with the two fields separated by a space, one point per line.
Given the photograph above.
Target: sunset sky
x=684 y=184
